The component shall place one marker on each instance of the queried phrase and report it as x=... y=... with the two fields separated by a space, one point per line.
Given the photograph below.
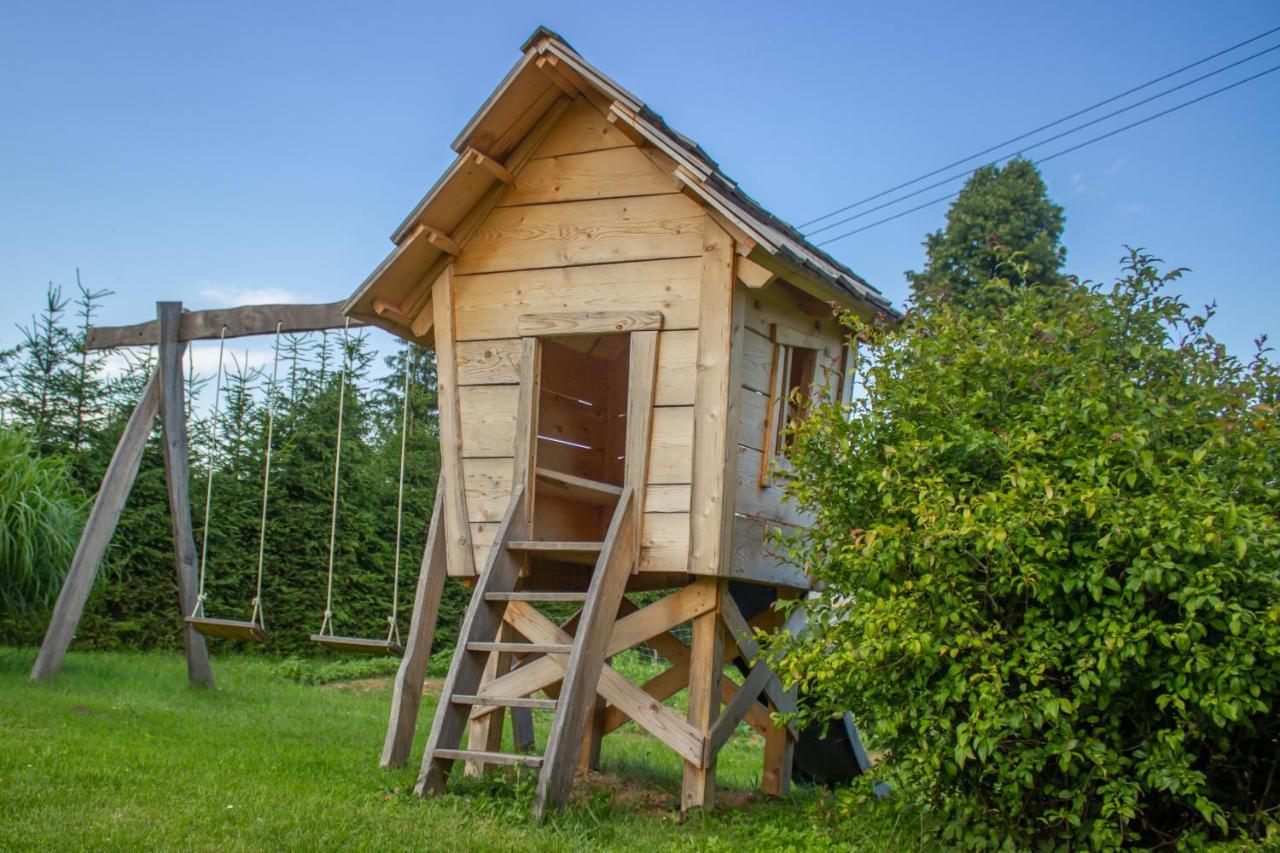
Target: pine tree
x=1002 y=224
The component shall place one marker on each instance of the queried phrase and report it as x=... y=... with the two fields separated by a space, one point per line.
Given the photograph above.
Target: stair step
x=507 y=702
x=522 y=648
x=531 y=596
x=534 y=761
x=578 y=488
x=585 y=553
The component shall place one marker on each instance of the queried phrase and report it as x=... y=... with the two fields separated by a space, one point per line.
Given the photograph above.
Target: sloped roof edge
x=695 y=168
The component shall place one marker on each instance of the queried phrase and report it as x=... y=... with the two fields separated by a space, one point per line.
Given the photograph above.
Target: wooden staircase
x=498 y=611
x=503 y=624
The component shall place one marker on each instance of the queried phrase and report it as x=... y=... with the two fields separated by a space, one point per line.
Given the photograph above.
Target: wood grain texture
x=406 y=691
x=493 y=362
x=489 y=305
x=677 y=368
x=458 y=545
x=656 y=618
x=588 y=322
x=582 y=128
x=667 y=497
x=240 y=322
x=715 y=406
x=768 y=503
x=609 y=173
x=488 y=487
x=755 y=559
x=705 y=665
x=671 y=445
x=642 y=372
x=487 y=417
x=173 y=424
x=664 y=542
x=752 y=419
x=117 y=482
x=661 y=722
x=757 y=361
x=584 y=232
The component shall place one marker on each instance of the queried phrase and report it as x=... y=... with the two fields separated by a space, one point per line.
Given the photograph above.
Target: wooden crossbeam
x=659 y=721
x=744 y=637
x=674 y=679
x=240 y=322
x=654 y=619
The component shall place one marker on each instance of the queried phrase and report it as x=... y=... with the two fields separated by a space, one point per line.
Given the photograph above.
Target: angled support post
x=406 y=696
x=104 y=516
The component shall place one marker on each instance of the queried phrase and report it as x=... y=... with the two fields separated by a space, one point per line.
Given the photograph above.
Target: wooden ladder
x=497 y=610
x=503 y=621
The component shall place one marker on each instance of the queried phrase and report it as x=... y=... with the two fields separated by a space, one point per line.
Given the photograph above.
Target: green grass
x=120 y=754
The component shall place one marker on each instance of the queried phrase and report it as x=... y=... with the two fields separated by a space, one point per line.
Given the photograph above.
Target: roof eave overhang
x=464 y=184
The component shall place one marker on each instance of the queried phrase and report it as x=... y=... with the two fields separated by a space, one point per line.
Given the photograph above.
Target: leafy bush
x=1047 y=538
x=40 y=518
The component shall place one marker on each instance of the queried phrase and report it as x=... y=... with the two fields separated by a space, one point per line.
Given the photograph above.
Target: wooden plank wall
x=590 y=225
x=756 y=509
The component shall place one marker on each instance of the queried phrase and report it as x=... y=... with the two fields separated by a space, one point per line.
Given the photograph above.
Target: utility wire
x=1054 y=123
x=1057 y=154
x=1044 y=141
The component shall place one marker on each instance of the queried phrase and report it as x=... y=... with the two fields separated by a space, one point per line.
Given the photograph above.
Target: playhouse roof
x=502 y=134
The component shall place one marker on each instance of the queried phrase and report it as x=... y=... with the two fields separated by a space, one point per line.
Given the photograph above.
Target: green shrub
x=40 y=520
x=1047 y=538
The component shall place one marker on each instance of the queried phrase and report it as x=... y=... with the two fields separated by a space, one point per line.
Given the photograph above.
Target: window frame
x=779 y=409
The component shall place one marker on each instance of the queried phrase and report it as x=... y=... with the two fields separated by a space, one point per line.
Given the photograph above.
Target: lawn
x=120 y=754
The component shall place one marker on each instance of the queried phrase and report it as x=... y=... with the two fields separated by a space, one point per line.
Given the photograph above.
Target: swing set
x=163 y=397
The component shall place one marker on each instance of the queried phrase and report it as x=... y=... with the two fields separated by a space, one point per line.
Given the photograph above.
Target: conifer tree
x=1002 y=222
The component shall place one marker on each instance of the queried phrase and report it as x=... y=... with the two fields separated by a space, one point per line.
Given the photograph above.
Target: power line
x=1044 y=141
x=1057 y=154
x=1054 y=123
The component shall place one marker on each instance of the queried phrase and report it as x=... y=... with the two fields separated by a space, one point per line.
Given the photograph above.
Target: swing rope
x=337 y=462
x=198 y=612
x=393 y=632
x=257 y=615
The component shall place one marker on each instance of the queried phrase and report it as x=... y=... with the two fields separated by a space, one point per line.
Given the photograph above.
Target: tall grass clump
x=40 y=517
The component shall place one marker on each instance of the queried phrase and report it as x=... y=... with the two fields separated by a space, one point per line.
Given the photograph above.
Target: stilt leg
x=406 y=697
x=706 y=659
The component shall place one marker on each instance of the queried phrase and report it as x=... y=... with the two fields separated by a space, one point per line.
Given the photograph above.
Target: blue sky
x=226 y=152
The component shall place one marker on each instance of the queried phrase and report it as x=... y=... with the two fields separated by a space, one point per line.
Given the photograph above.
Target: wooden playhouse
x=618 y=329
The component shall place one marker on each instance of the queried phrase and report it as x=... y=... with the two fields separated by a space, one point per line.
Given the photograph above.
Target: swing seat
x=229 y=629
x=359 y=645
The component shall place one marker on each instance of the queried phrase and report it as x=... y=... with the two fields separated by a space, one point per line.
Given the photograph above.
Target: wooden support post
x=406 y=695
x=101 y=524
x=779 y=753
x=458 y=543
x=173 y=422
x=706 y=661
x=715 y=407
x=592 y=736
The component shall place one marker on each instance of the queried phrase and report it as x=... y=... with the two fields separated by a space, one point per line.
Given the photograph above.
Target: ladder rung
x=585 y=553
x=489 y=757
x=579 y=488
x=535 y=596
x=507 y=702
x=522 y=648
